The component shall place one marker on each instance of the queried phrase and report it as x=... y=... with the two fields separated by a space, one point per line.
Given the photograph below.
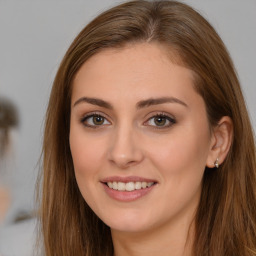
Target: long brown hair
x=226 y=218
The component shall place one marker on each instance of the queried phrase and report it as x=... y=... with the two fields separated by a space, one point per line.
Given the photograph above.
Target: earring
x=216 y=163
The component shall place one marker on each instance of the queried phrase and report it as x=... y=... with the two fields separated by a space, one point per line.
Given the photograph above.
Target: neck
x=175 y=240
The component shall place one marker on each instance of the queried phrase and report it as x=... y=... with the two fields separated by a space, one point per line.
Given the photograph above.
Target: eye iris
x=98 y=120
x=160 y=121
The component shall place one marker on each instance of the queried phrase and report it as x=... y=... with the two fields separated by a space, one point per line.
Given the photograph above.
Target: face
x=139 y=138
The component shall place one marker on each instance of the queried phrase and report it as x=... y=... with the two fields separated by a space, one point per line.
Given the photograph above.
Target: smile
x=129 y=186
x=126 y=189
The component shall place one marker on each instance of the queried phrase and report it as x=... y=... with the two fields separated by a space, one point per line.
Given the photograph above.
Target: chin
x=128 y=227
x=128 y=222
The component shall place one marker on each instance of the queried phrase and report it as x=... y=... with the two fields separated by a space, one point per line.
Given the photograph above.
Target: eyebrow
x=94 y=101
x=139 y=105
x=157 y=101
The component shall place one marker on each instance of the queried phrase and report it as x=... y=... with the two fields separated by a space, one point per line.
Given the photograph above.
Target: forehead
x=140 y=70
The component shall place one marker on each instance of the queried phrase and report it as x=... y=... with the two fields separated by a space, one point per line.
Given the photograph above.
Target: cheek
x=84 y=156
x=87 y=153
x=181 y=164
x=181 y=157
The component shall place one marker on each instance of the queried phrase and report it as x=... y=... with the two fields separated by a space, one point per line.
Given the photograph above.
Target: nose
x=125 y=148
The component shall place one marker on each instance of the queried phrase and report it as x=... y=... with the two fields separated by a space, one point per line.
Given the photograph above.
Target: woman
x=148 y=148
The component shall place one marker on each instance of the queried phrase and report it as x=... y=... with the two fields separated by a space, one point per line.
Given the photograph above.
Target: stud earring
x=216 y=163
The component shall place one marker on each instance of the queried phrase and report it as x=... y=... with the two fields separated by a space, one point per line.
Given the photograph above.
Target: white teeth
x=137 y=185
x=129 y=186
x=144 y=184
x=115 y=185
x=121 y=186
x=110 y=184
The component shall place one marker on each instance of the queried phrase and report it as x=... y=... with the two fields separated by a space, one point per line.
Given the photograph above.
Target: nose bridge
x=125 y=149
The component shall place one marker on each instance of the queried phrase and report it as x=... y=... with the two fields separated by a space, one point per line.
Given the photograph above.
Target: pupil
x=160 y=121
x=98 y=120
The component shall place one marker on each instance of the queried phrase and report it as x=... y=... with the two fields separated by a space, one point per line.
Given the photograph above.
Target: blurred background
x=34 y=36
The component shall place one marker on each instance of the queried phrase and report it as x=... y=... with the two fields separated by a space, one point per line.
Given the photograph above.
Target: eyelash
x=85 y=119
x=164 y=116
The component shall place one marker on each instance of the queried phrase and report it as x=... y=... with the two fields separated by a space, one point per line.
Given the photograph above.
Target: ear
x=221 y=140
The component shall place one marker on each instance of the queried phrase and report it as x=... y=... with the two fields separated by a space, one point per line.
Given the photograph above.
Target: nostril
x=124 y=157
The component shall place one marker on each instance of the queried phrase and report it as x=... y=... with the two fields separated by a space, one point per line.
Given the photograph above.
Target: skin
x=130 y=142
x=5 y=202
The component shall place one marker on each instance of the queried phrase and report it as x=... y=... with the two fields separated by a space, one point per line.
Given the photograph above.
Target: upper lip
x=127 y=179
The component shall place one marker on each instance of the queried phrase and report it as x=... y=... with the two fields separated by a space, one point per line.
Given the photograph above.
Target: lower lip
x=127 y=196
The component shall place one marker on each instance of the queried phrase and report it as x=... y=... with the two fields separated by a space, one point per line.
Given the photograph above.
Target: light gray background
x=34 y=36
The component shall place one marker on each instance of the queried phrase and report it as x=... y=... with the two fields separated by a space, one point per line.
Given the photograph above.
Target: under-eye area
x=129 y=186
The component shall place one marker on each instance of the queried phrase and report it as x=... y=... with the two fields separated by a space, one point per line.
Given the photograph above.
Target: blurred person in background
x=17 y=232
x=8 y=120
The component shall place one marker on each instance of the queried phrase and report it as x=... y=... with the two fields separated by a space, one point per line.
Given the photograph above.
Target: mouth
x=128 y=189
x=129 y=186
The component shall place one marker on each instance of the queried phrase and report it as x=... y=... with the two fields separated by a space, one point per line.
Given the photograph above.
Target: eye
x=160 y=121
x=94 y=120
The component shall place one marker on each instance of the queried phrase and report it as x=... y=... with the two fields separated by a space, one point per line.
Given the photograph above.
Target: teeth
x=144 y=184
x=121 y=186
x=110 y=184
x=137 y=185
x=115 y=185
x=129 y=186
